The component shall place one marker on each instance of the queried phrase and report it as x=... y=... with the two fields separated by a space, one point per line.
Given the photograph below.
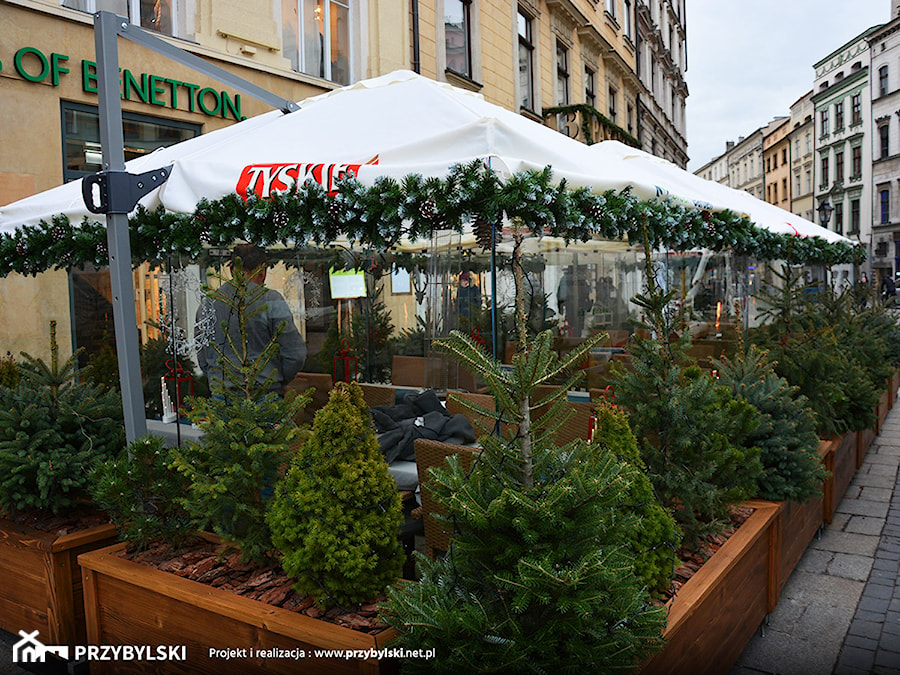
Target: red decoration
x=182 y=382
x=345 y=364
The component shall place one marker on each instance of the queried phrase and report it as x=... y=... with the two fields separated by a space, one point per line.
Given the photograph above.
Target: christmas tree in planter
x=655 y=537
x=142 y=494
x=336 y=514
x=538 y=577
x=53 y=429
x=792 y=468
x=692 y=432
x=248 y=440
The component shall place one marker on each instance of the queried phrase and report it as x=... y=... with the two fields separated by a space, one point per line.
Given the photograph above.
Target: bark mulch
x=220 y=567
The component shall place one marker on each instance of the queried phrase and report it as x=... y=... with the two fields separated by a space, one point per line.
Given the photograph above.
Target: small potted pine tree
x=336 y=514
x=54 y=427
x=538 y=577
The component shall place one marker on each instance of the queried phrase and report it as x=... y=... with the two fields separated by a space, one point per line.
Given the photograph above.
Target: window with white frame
x=317 y=38
x=590 y=87
x=612 y=105
x=629 y=23
x=856 y=109
x=169 y=17
x=458 y=36
x=526 y=62
x=611 y=8
x=562 y=74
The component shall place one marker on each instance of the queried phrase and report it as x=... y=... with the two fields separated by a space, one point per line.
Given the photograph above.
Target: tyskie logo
x=265 y=179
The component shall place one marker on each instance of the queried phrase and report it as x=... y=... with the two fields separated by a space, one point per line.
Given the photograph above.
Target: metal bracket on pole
x=120 y=191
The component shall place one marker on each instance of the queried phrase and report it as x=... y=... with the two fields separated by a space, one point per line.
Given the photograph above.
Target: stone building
x=801 y=157
x=776 y=162
x=884 y=46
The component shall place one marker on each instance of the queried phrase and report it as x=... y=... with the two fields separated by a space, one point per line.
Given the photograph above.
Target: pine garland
x=412 y=208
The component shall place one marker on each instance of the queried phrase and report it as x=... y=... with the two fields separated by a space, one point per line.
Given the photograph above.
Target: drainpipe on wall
x=416 y=60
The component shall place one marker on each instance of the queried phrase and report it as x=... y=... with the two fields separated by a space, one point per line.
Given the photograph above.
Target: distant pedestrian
x=888 y=289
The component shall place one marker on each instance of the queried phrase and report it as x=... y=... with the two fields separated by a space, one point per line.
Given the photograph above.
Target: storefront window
x=169 y=17
x=314 y=29
x=143 y=134
x=90 y=289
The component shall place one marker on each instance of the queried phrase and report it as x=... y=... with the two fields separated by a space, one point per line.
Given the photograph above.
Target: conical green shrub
x=336 y=515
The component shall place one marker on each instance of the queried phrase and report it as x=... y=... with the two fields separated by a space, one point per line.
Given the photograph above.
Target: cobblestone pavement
x=839 y=612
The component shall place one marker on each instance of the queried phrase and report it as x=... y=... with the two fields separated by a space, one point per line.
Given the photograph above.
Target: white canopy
x=669 y=180
x=395 y=125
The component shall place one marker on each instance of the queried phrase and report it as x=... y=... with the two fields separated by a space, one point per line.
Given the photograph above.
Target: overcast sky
x=749 y=60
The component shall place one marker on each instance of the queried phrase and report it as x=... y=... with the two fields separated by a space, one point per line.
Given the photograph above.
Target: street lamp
x=825 y=209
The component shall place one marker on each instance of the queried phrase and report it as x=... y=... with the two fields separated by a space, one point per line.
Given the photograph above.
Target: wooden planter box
x=718 y=610
x=893 y=387
x=840 y=459
x=130 y=603
x=41 y=581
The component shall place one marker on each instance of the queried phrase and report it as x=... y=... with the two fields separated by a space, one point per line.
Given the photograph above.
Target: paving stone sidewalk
x=839 y=612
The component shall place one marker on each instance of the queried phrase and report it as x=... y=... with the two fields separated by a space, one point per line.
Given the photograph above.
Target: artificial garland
x=381 y=215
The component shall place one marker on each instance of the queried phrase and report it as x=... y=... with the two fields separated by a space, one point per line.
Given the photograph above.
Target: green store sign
x=33 y=65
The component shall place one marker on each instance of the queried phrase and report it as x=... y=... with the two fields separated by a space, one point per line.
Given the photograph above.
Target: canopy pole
x=112 y=143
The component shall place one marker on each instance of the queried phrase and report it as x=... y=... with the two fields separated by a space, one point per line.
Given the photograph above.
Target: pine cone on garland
x=483 y=234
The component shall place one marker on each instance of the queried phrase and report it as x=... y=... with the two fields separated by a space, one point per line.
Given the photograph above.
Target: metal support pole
x=113 y=146
x=495 y=333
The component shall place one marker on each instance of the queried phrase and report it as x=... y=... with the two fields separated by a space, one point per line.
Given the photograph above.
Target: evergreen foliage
x=336 y=514
x=53 y=430
x=837 y=357
x=382 y=214
x=9 y=371
x=248 y=437
x=141 y=494
x=538 y=577
x=654 y=537
x=792 y=469
x=370 y=331
x=692 y=432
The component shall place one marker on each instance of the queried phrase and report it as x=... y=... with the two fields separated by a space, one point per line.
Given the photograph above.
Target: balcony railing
x=587 y=124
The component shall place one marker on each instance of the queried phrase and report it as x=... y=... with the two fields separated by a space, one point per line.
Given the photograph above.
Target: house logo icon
x=31 y=650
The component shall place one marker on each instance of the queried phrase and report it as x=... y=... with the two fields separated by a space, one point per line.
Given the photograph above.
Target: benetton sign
x=33 y=65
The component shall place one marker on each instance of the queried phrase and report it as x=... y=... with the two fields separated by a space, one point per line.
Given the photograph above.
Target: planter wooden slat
x=714 y=614
x=130 y=603
x=844 y=467
x=41 y=583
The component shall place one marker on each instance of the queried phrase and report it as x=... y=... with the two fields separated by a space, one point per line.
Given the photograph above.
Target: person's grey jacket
x=261 y=327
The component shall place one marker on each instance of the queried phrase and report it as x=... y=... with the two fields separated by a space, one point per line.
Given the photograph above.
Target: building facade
x=528 y=56
x=884 y=250
x=801 y=156
x=843 y=165
x=745 y=165
x=777 y=163
x=661 y=66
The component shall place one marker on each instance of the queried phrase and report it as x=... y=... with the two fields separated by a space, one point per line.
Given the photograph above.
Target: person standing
x=888 y=289
x=468 y=296
x=265 y=317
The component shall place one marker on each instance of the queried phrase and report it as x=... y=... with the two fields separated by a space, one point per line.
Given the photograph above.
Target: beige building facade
x=802 y=156
x=777 y=163
x=531 y=56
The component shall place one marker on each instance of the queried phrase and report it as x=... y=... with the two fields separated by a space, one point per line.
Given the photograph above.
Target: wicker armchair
x=322 y=385
x=431 y=453
x=378 y=394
